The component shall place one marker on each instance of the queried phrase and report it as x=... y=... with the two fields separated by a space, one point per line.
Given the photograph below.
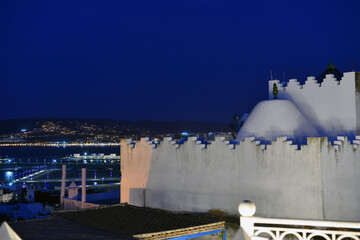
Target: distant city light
x=185 y=134
x=23 y=130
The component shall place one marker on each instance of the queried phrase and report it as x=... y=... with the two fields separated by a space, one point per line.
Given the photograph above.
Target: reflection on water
x=42 y=165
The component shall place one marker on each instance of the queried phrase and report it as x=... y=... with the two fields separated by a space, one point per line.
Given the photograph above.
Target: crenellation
x=310 y=82
x=231 y=146
x=294 y=83
x=281 y=139
x=192 y=139
x=130 y=143
x=182 y=140
x=311 y=79
x=340 y=140
x=221 y=139
x=330 y=80
x=153 y=143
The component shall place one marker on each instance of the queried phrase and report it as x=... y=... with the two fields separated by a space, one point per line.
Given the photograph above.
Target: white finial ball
x=247 y=208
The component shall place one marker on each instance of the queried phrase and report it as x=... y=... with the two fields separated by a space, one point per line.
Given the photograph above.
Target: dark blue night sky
x=163 y=60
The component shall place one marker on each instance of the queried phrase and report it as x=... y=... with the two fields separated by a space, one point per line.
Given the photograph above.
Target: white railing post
x=247 y=210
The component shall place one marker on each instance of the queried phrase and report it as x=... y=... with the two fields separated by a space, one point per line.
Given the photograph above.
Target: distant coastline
x=94 y=132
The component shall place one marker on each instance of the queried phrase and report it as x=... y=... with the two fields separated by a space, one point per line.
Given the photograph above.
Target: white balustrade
x=279 y=229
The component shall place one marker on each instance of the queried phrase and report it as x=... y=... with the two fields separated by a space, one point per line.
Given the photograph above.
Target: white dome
x=276 y=118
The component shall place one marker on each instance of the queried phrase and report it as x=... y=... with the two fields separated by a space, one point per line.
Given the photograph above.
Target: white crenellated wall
x=319 y=181
x=333 y=106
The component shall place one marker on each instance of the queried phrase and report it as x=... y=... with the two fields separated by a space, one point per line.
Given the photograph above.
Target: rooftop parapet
x=311 y=82
x=337 y=144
